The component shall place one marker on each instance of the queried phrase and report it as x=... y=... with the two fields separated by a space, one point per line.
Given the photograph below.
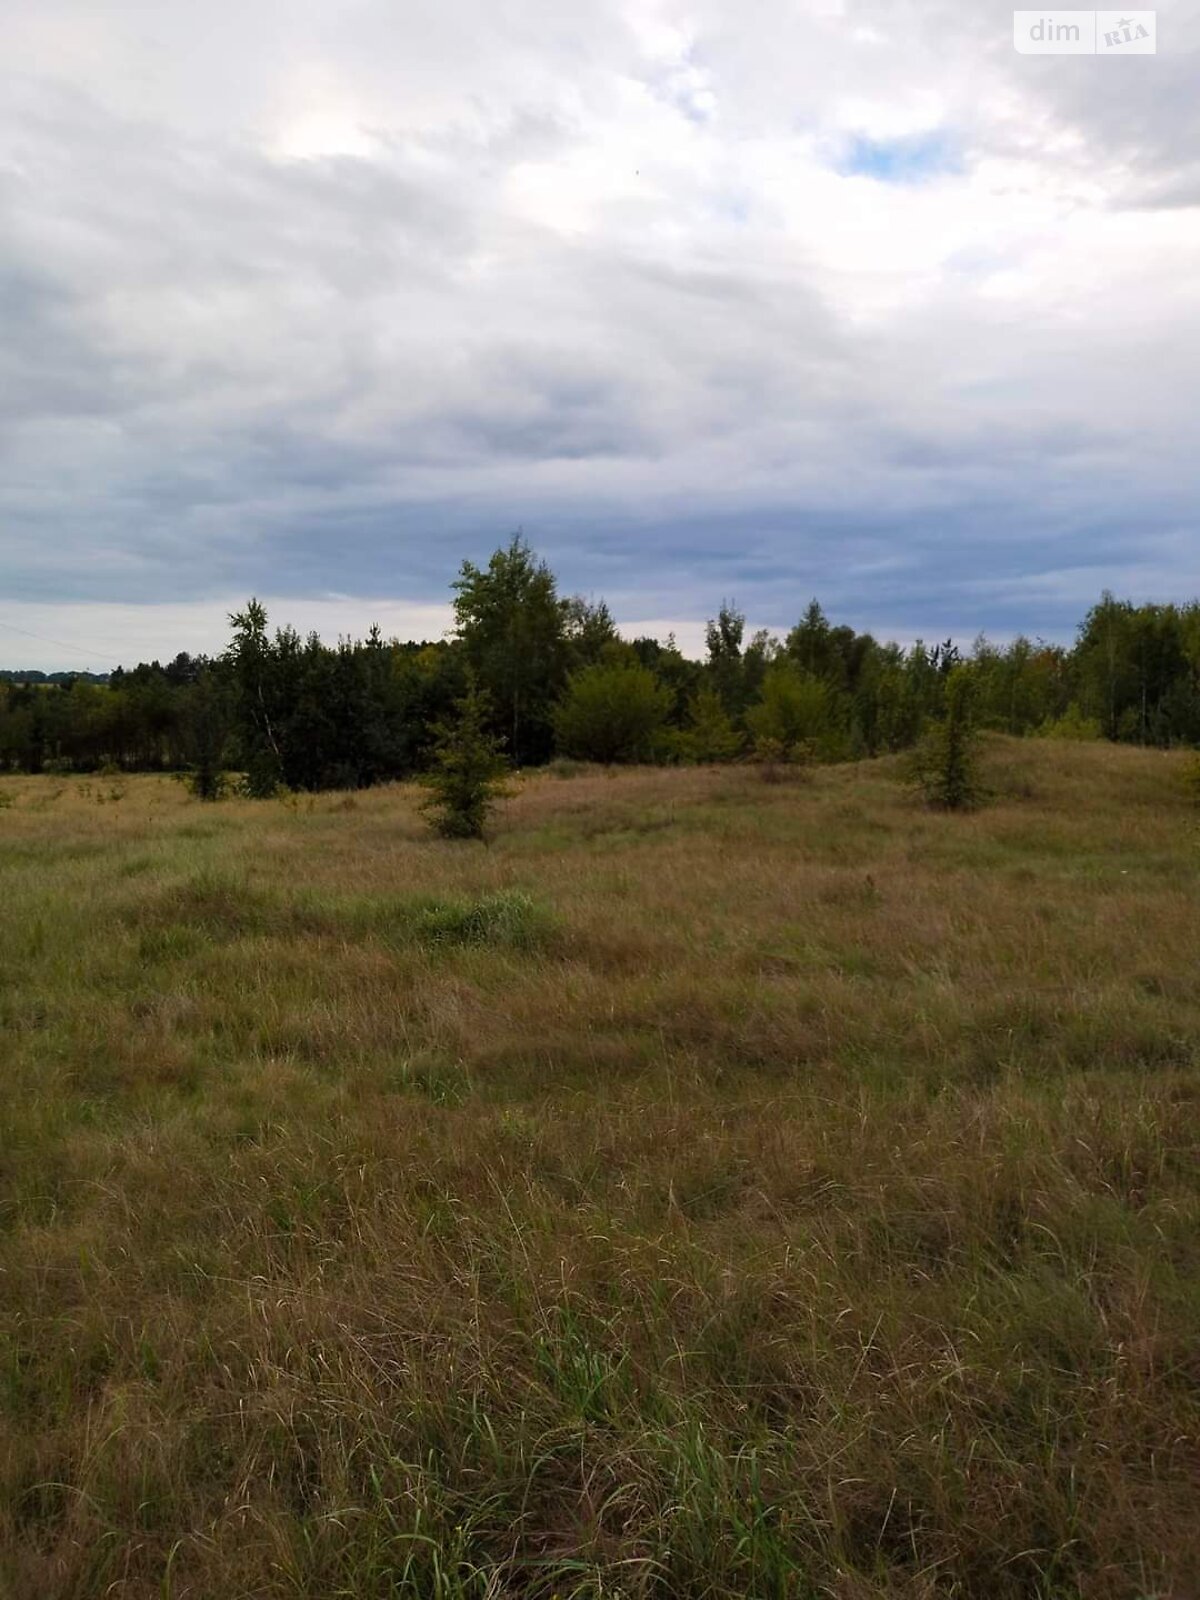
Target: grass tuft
x=508 y=919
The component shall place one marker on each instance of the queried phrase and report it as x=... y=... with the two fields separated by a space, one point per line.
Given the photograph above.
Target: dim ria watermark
x=1085 y=33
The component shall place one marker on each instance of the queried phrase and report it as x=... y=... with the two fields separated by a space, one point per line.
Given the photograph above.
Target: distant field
x=709 y=1189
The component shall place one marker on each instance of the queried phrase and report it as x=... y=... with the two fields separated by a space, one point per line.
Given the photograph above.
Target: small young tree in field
x=710 y=734
x=466 y=777
x=207 y=734
x=945 y=763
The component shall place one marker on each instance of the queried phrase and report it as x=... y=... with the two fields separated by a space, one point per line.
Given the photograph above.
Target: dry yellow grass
x=707 y=1189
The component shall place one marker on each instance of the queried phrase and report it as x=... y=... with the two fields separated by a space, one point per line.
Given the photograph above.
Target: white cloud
x=327 y=297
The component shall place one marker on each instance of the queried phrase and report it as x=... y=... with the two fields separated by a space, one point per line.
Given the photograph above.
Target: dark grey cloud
x=850 y=301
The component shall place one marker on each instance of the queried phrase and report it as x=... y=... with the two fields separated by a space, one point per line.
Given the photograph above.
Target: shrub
x=778 y=762
x=207 y=781
x=795 y=713
x=945 y=763
x=1071 y=725
x=564 y=767
x=467 y=772
x=262 y=779
x=710 y=735
x=613 y=711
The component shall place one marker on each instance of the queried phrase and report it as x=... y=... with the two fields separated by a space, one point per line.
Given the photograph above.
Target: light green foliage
x=1021 y=687
x=710 y=735
x=612 y=712
x=795 y=713
x=1071 y=725
x=508 y=918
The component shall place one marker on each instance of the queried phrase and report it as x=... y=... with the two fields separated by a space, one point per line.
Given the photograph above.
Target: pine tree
x=711 y=734
x=207 y=734
x=466 y=777
x=945 y=764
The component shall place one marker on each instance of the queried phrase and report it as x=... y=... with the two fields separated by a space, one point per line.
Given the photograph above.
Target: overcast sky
x=759 y=301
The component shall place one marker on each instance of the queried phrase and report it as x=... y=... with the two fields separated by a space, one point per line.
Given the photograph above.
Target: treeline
x=557 y=680
x=34 y=675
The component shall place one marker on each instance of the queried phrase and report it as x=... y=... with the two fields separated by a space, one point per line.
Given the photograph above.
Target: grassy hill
x=709 y=1189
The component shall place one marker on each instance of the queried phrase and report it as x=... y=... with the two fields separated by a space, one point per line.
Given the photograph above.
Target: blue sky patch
x=916 y=158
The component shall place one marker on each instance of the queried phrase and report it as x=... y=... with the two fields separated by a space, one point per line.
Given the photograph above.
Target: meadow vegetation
x=706 y=1188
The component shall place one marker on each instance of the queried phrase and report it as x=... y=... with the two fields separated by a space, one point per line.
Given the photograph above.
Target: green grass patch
x=508 y=919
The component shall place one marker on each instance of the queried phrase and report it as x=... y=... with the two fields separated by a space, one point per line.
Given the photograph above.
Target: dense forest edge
x=558 y=681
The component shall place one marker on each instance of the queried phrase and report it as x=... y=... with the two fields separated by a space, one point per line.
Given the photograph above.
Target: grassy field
x=709 y=1189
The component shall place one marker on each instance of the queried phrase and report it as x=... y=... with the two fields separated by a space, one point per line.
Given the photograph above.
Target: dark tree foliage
x=513 y=630
x=672 y=668
x=206 y=728
x=257 y=670
x=726 y=664
x=945 y=763
x=589 y=628
x=466 y=773
x=281 y=711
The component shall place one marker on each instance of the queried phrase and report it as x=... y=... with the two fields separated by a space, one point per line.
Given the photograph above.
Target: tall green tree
x=1104 y=663
x=253 y=665
x=723 y=637
x=589 y=629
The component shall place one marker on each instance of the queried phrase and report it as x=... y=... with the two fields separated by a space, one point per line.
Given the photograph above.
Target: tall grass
x=710 y=1189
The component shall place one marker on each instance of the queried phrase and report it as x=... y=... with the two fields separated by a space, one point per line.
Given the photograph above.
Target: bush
x=710 y=735
x=779 y=763
x=467 y=772
x=945 y=763
x=1071 y=725
x=207 y=782
x=262 y=779
x=613 y=711
x=796 y=713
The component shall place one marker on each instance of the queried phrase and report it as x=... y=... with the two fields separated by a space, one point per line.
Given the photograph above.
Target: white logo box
x=1085 y=33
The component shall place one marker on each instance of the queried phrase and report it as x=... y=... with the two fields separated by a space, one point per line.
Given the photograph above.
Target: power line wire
x=61 y=644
